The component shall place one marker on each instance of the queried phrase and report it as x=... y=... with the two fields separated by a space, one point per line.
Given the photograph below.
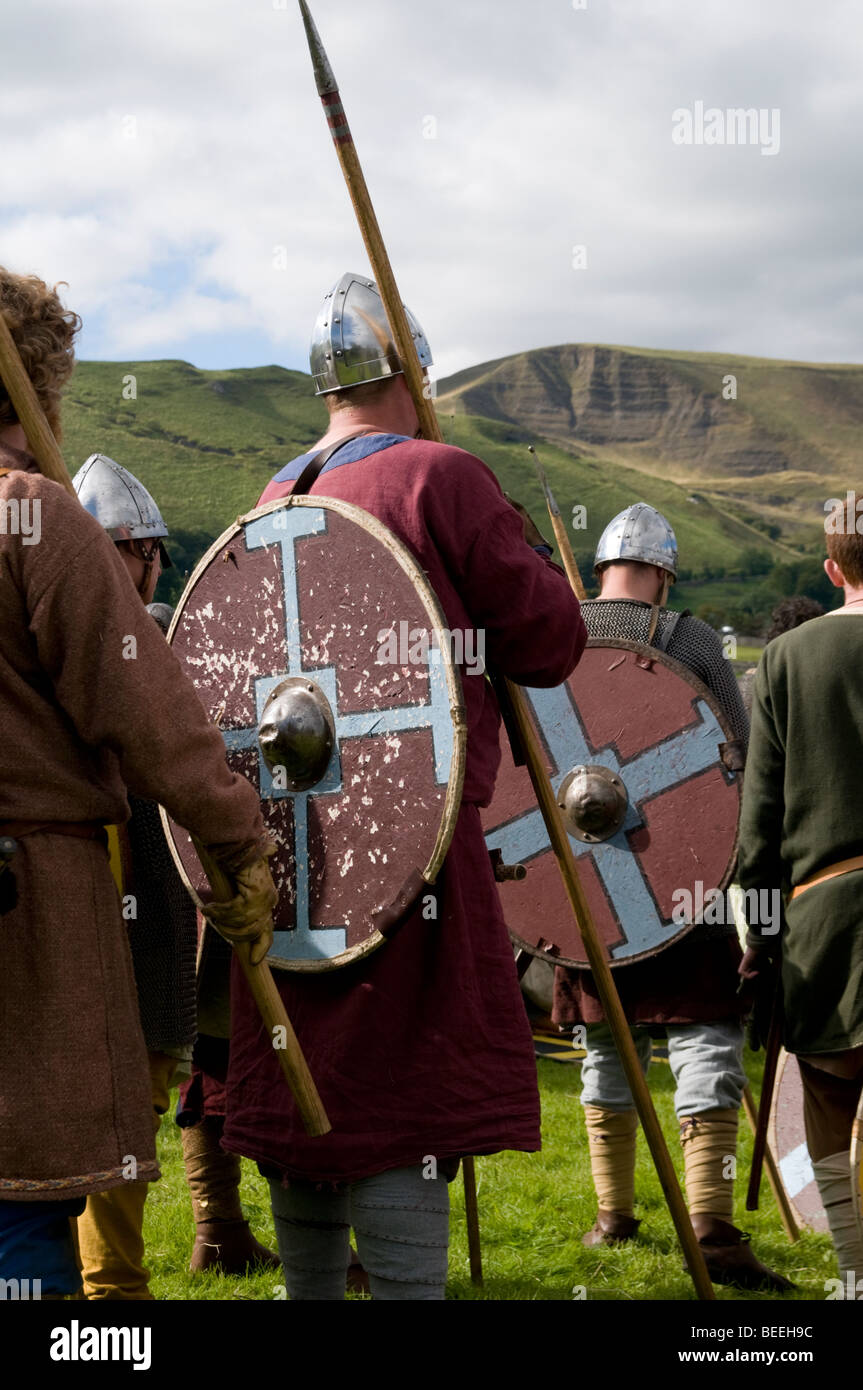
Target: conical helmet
x=352 y=343
x=640 y=533
x=120 y=504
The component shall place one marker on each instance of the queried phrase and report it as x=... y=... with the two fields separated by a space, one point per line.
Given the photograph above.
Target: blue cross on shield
x=646 y=774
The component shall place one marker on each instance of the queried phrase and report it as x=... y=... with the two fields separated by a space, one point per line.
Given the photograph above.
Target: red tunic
x=424 y=1048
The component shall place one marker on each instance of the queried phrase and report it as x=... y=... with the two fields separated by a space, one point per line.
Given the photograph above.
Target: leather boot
x=223 y=1239
x=357 y=1279
x=611 y=1228
x=730 y=1258
x=230 y=1247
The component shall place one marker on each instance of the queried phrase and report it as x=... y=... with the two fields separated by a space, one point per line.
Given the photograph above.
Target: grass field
x=533 y=1209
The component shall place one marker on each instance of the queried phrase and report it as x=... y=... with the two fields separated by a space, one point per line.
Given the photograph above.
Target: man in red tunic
x=422 y=1052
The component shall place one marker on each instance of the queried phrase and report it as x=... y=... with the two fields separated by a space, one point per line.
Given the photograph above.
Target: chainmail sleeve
x=697 y=646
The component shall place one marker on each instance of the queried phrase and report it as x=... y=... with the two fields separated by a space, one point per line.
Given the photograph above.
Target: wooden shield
x=857 y=1165
x=318 y=592
x=657 y=734
x=787 y=1137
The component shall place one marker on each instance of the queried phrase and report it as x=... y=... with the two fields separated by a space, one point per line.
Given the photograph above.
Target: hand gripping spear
x=46 y=451
x=383 y=274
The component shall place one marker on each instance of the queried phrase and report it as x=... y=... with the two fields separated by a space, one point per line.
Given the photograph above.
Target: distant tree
x=755 y=561
x=709 y=613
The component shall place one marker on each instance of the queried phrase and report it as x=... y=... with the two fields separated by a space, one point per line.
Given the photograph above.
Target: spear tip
x=324 y=76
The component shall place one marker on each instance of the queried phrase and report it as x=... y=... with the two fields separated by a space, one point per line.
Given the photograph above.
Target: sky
x=544 y=171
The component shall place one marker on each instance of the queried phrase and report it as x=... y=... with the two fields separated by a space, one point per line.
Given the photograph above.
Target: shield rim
x=654 y=653
x=430 y=601
x=804 y=1221
x=857 y=1165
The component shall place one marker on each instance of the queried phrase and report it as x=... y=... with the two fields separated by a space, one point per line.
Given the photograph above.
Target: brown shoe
x=730 y=1258
x=357 y=1279
x=230 y=1248
x=611 y=1228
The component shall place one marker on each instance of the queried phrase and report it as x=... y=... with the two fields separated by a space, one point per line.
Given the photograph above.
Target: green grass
x=533 y=1209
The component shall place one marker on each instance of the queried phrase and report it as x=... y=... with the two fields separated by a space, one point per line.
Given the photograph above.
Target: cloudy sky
x=528 y=160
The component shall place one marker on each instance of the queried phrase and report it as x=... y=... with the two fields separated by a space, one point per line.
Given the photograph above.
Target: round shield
x=857 y=1165
x=319 y=649
x=787 y=1137
x=643 y=765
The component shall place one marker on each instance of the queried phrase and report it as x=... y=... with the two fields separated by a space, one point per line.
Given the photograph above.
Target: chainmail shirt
x=693 y=643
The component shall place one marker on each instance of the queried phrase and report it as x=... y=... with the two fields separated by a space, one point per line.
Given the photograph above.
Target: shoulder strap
x=673 y=619
x=316 y=464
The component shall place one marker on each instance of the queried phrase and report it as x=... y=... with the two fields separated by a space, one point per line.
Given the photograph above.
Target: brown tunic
x=91 y=701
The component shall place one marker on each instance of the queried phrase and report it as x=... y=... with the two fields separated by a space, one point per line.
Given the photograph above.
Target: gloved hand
x=531 y=533
x=758 y=974
x=248 y=915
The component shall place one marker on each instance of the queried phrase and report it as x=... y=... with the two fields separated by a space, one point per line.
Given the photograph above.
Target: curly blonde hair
x=43 y=332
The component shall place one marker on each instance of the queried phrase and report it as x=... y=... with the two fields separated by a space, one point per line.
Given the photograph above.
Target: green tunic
x=803 y=812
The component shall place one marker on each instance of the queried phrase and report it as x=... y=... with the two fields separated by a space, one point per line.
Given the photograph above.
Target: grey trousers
x=706 y=1061
x=401 y=1223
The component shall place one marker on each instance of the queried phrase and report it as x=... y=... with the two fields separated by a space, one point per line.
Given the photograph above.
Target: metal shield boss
x=641 y=760
x=313 y=639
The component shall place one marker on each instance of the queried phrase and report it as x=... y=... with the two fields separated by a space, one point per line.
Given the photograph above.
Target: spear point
x=324 y=76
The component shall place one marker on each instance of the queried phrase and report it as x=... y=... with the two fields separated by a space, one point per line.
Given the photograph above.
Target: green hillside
x=204 y=443
x=207 y=442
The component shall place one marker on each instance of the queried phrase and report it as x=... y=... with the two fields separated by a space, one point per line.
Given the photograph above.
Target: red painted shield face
x=635 y=747
x=354 y=739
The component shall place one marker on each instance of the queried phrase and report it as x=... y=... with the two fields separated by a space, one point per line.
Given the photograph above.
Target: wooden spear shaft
x=772 y=1048
x=361 y=199
x=260 y=980
x=40 y=437
x=403 y=338
x=777 y=1186
x=596 y=955
x=610 y=998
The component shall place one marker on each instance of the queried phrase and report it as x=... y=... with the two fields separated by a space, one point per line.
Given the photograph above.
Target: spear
x=560 y=535
x=349 y=160
x=346 y=150
x=376 y=251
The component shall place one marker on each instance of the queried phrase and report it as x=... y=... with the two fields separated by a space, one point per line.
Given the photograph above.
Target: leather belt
x=78 y=830
x=844 y=866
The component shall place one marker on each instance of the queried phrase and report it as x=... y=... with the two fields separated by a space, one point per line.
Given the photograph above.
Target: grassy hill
x=743 y=482
x=771 y=455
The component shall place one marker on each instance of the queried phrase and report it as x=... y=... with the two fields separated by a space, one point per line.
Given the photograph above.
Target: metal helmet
x=352 y=342
x=120 y=504
x=640 y=533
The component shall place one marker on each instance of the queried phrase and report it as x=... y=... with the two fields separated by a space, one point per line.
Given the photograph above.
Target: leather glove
x=758 y=971
x=531 y=533
x=248 y=915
